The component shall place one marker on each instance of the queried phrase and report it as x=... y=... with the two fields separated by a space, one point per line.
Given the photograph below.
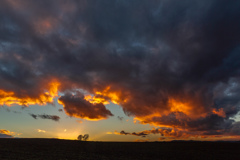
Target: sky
x=120 y=70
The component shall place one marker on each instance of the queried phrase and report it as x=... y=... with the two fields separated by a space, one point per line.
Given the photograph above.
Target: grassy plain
x=23 y=149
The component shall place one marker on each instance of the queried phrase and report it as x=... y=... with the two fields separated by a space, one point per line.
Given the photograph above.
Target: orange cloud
x=95 y=99
x=219 y=112
x=106 y=95
x=178 y=106
x=79 y=121
x=10 y=98
x=7 y=134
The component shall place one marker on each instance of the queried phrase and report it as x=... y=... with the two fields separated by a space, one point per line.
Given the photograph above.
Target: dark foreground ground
x=23 y=149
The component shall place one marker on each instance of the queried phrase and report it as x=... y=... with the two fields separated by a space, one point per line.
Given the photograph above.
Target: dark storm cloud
x=153 y=54
x=77 y=106
x=45 y=116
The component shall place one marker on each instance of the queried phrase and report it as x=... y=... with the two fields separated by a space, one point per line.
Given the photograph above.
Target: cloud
x=45 y=116
x=142 y=133
x=133 y=133
x=184 y=134
x=79 y=121
x=6 y=134
x=41 y=131
x=77 y=106
x=166 y=63
x=34 y=116
x=120 y=118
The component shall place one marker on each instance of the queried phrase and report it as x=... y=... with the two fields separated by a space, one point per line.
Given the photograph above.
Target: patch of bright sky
x=17 y=119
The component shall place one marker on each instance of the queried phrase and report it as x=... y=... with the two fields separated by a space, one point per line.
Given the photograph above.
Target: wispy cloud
x=41 y=131
x=120 y=118
x=45 y=116
x=79 y=121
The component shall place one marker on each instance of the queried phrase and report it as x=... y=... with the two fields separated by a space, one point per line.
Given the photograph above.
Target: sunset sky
x=120 y=70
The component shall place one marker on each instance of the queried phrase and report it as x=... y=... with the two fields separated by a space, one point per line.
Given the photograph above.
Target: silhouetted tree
x=83 y=138
x=80 y=137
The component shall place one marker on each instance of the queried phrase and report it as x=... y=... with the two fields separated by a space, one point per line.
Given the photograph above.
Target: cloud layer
x=168 y=63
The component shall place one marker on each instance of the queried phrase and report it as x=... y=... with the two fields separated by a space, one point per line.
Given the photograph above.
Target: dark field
x=66 y=149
